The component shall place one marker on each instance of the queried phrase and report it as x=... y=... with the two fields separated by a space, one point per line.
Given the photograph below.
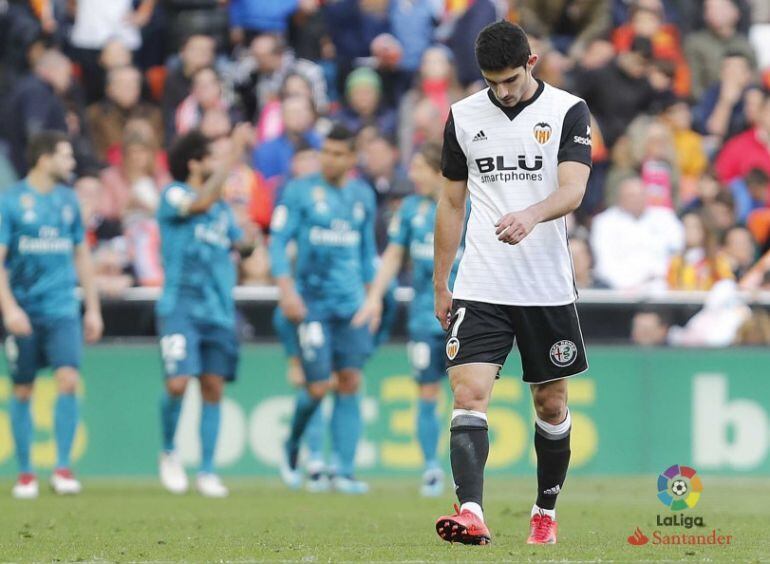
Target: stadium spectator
x=273 y=159
x=270 y=122
x=197 y=52
x=363 y=91
x=690 y=154
x=107 y=119
x=206 y=95
x=308 y=34
x=460 y=34
x=412 y=24
x=245 y=190
x=435 y=82
x=706 y=190
x=647 y=19
x=750 y=193
x=259 y=77
x=705 y=49
x=652 y=145
x=649 y=328
x=36 y=103
x=380 y=169
x=133 y=186
x=700 y=264
x=632 y=242
x=113 y=55
x=571 y=25
x=755 y=331
x=619 y=91
x=583 y=263
x=196 y=17
x=249 y=18
x=749 y=150
x=740 y=250
x=721 y=108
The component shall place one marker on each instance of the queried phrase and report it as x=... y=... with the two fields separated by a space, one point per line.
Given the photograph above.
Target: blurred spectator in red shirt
x=435 y=82
x=107 y=119
x=750 y=149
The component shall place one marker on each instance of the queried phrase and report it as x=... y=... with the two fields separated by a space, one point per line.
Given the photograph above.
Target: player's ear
x=532 y=61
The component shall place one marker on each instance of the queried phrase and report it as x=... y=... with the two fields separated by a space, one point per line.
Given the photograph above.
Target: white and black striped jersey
x=510 y=158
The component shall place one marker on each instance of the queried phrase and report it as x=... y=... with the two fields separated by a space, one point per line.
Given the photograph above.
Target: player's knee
x=22 y=392
x=176 y=386
x=66 y=380
x=317 y=390
x=348 y=381
x=551 y=408
x=212 y=388
x=470 y=397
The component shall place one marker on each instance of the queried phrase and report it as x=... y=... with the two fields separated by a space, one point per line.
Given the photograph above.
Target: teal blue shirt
x=196 y=250
x=412 y=228
x=40 y=232
x=334 y=231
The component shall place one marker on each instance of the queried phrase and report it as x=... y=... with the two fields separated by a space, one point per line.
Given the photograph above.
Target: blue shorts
x=54 y=342
x=427 y=357
x=287 y=333
x=189 y=347
x=331 y=345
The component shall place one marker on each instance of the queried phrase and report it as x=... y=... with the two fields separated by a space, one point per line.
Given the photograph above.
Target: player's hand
x=17 y=323
x=443 y=306
x=514 y=226
x=93 y=326
x=293 y=307
x=369 y=313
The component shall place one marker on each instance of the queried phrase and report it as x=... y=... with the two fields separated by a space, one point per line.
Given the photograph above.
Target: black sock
x=553 y=452
x=468 y=451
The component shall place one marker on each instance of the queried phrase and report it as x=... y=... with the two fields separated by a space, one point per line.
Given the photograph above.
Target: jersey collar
x=518 y=108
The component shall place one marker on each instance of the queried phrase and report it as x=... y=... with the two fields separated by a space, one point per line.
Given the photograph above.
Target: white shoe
x=25 y=487
x=317 y=477
x=172 y=474
x=64 y=482
x=349 y=486
x=432 y=483
x=292 y=478
x=209 y=485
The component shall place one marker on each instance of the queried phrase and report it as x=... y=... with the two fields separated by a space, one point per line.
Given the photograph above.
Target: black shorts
x=548 y=338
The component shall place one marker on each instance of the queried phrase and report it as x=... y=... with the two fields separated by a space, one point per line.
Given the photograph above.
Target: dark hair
x=44 y=143
x=502 y=45
x=193 y=146
x=301 y=145
x=757 y=176
x=431 y=152
x=339 y=132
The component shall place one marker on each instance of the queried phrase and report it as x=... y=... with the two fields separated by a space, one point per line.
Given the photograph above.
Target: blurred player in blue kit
x=411 y=233
x=331 y=219
x=43 y=255
x=196 y=311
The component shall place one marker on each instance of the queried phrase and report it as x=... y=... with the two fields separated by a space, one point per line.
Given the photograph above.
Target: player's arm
x=450 y=219
x=92 y=318
x=573 y=170
x=371 y=310
x=15 y=319
x=284 y=227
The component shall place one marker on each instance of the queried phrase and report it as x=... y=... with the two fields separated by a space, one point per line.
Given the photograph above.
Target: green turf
x=137 y=521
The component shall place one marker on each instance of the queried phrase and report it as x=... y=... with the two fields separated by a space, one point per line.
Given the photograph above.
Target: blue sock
x=65 y=425
x=314 y=432
x=428 y=431
x=304 y=409
x=21 y=424
x=170 y=407
x=346 y=430
x=210 y=417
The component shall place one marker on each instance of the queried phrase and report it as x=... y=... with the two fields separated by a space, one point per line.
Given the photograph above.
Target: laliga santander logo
x=679 y=488
x=638 y=538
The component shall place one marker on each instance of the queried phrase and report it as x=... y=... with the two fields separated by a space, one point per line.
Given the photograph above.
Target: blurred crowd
x=679 y=91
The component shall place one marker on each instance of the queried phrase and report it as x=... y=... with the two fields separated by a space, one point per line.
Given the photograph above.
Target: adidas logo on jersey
x=552 y=491
x=480 y=136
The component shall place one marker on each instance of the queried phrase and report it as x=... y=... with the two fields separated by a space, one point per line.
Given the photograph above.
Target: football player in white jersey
x=522 y=150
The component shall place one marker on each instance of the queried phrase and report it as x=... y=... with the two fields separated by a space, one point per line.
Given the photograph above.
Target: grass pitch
x=121 y=520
